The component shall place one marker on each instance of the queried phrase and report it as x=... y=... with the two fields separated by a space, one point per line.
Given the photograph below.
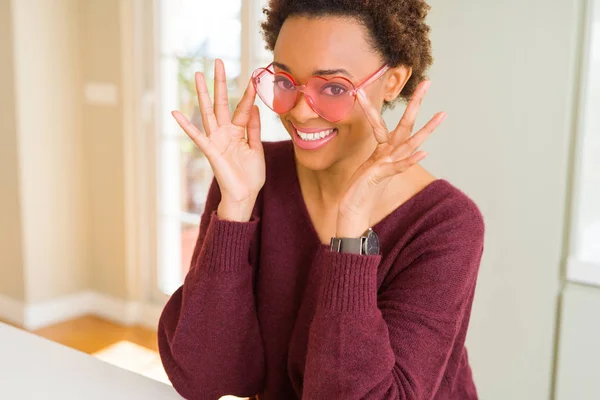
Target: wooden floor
x=91 y=334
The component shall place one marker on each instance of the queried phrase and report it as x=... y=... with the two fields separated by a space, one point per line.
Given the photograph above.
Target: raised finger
x=415 y=141
x=206 y=109
x=221 y=100
x=374 y=117
x=407 y=122
x=242 y=112
x=253 y=129
x=197 y=136
x=397 y=167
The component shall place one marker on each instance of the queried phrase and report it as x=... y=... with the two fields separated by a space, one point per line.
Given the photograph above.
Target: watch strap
x=348 y=245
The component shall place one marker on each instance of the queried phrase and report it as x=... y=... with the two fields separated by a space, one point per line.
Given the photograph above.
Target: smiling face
x=331 y=47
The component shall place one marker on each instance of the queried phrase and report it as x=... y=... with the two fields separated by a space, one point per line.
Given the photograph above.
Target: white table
x=32 y=367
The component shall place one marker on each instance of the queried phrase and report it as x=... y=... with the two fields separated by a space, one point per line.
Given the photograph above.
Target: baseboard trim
x=126 y=312
x=11 y=310
x=45 y=313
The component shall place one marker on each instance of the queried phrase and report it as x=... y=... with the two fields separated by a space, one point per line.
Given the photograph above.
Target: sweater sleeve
x=394 y=342
x=208 y=335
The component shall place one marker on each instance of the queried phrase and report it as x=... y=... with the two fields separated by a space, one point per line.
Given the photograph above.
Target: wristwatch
x=367 y=244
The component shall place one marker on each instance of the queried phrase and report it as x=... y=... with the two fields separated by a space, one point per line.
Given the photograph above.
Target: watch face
x=372 y=245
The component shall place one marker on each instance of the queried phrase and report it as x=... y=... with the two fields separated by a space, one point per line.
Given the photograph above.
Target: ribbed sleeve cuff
x=349 y=281
x=226 y=247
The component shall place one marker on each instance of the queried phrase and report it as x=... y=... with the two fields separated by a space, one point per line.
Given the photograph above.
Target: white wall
x=587 y=213
x=48 y=120
x=505 y=71
x=11 y=261
x=578 y=375
x=103 y=142
x=578 y=366
x=584 y=251
x=62 y=165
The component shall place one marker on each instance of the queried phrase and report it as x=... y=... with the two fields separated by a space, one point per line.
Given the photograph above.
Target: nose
x=302 y=111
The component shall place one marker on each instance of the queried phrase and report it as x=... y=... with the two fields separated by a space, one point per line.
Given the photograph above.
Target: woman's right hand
x=237 y=159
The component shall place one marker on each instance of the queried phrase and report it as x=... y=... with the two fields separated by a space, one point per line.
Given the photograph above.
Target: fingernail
x=362 y=93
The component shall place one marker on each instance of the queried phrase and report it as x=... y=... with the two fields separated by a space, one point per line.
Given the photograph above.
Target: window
x=191 y=34
x=584 y=258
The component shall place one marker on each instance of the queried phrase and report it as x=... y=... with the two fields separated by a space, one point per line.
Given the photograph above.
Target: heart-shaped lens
x=277 y=91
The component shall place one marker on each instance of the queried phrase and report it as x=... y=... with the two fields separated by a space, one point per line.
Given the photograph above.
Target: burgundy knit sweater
x=267 y=309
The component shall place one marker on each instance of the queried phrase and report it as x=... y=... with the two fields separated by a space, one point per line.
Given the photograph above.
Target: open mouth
x=314 y=139
x=309 y=137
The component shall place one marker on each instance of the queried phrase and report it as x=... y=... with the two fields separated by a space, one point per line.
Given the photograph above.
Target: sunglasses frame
x=259 y=72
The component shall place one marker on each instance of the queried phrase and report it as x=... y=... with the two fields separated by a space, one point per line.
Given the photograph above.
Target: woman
x=331 y=265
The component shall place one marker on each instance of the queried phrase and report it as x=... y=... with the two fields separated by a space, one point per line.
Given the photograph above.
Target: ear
x=397 y=78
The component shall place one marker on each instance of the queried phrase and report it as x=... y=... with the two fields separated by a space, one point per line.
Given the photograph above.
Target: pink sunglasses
x=331 y=98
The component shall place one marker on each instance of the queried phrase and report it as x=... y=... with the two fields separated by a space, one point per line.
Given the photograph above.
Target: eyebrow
x=318 y=72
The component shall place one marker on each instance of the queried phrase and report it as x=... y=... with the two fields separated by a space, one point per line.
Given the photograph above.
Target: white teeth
x=314 y=136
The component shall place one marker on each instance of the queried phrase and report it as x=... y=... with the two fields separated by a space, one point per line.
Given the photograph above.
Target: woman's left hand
x=395 y=153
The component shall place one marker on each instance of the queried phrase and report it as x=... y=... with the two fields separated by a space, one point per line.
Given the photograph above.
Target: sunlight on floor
x=135 y=358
